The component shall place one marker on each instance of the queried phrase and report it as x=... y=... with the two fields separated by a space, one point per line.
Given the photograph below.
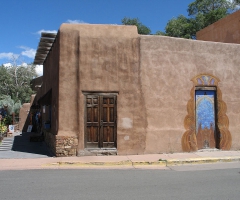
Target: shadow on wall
x=27 y=122
x=26 y=115
x=31 y=141
x=30 y=119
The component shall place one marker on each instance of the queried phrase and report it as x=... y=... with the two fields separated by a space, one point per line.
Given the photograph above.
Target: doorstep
x=98 y=152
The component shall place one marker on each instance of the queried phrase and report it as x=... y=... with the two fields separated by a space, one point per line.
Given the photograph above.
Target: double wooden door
x=100 y=121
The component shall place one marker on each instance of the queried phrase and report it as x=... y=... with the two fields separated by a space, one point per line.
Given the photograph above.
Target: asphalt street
x=219 y=182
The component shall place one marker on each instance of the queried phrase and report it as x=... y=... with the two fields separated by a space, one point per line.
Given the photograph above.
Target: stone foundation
x=61 y=146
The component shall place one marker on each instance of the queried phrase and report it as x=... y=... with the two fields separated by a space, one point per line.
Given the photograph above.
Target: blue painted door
x=205 y=118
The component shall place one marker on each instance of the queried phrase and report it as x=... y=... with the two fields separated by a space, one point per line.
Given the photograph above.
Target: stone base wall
x=61 y=146
x=66 y=146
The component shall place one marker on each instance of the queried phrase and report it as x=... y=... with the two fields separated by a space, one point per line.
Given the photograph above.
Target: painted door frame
x=216 y=132
x=189 y=140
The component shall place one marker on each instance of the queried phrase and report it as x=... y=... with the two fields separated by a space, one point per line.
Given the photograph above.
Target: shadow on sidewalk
x=22 y=143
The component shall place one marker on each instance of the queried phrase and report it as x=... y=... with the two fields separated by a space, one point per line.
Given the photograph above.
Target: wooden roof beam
x=49 y=35
x=42 y=51
x=39 y=62
x=45 y=44
x=44 y=48
x=49 y=40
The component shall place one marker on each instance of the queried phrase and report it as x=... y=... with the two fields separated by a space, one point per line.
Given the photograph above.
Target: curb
x=174 y=162
x=88 y=164
x=160 y=163
x=127 y=163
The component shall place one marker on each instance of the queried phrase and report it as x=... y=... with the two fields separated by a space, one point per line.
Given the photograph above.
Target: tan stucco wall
x=68 y=83
x=167 y=66
x=50 y=84
x=225 y=30
x=150 y=74
x=105 y=58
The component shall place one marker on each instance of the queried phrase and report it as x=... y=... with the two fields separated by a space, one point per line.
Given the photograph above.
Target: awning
x=46 y=99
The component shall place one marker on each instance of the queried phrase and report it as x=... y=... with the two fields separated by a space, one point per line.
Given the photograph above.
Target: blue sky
x=23 y=20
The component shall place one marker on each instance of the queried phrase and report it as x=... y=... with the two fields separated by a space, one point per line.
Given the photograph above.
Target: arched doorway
x=206 y=123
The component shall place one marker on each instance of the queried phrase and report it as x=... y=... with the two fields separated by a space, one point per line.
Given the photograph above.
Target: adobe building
x=107 y=90
x=225 y=30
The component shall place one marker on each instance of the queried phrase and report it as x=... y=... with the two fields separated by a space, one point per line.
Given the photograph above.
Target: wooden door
x=101 y=114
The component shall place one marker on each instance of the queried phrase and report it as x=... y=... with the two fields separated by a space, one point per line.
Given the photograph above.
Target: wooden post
x=13 y=118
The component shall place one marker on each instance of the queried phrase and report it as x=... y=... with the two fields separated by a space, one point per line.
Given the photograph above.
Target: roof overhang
x=44 y=46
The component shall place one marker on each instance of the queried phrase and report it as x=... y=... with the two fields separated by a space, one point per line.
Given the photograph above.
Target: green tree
x=180 y=27
x=142 y=29
x=210 y=11
x=5 y=81
x=15 y=82
x=201 y=14
x=12 y=106
x=207 y=6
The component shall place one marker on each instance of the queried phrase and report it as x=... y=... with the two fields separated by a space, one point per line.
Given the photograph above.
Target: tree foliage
x=12 y=106
x=201 y=14
x=5 y=81
x=142 y=29
x=207 y=6
x=15 y=82
x=180 y=27
x=209 y=11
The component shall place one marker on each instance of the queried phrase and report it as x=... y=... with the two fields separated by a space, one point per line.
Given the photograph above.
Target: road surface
x=215 y=181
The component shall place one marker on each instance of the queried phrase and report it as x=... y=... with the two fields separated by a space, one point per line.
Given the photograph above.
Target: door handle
x=101 y=123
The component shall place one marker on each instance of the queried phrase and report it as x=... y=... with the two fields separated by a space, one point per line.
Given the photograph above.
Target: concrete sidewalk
x=128 y=161
x=35 y=155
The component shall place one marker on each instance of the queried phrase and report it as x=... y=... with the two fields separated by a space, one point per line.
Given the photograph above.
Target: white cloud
x=24 y=64
x=237 y=7
x=7 y=65
x=39 y=70
x=10 y=64
x=28 y=52
x=48 y=31
x=9 y=55
x=76 y=21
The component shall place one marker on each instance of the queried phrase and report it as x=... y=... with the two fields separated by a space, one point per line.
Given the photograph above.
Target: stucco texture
x=151 y=76
x=107 y=60
x=225 y=30
x=167 y=66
